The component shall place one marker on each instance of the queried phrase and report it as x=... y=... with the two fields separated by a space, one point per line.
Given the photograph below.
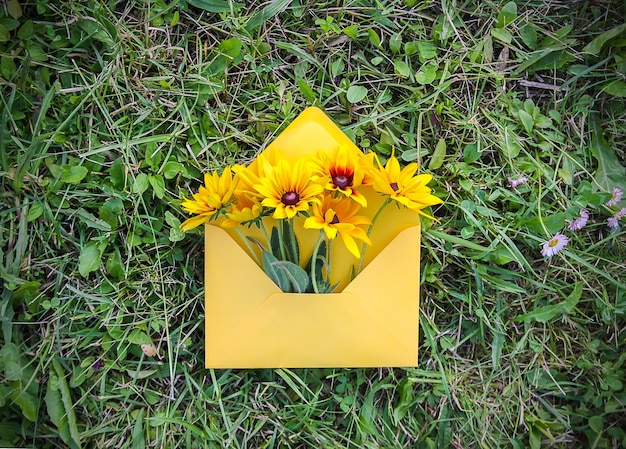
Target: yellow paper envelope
x=372 y=321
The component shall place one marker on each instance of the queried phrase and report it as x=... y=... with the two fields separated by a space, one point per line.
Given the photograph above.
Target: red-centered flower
x=345 y=169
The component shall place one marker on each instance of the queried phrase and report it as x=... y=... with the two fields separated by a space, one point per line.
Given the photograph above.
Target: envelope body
x=371 y=321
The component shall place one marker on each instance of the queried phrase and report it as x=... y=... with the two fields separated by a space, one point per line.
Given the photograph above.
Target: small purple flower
x=620 y=214
x=612 y=222
x=579 y=222
x=616 y=198
x=554 y=245
x=517 y=182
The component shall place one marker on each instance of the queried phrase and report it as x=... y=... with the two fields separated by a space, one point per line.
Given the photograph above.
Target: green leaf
x=60 y=406
x=502 y=34
x=271 y=10
x=401 y=68
x=617 y=88
x=230 y=47
x=7 y=66
x=73 y=174
x=471 y=152
x=356 y=94
x=27 y=402
x=297 y=277
x=89 y=259
x=215 y=5
x=139 y=439
x=610 y=172
x=91 y=221
x=26 y=30
x=118 y=174
x=427 y=73
x=158 y=184
x=34 y=212
x=507 y=15
x=351 y=31
x=373 y=37
x=276 y=275
x=139 y=337
x=395 y=43
x=13 y=371
x=527 y=120
x=5 y=35
x=142 y=182
x=439 y=155
x=426 y=50
x=14 y=9
x=595 y=46
x=547 y=313
x=172 y=169
x=114 y=266
x=528 y=33
x=306 y=90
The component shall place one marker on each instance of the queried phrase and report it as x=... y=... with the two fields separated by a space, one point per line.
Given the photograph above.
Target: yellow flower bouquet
x=279 y=290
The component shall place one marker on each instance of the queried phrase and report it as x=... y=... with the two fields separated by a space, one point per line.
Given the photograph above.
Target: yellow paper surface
x=372 y=321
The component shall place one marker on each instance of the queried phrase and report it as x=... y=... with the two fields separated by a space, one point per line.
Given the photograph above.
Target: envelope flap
x=229 y=274
x=389 y=286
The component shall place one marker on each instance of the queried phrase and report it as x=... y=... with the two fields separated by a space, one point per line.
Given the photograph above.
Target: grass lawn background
x=111 y=111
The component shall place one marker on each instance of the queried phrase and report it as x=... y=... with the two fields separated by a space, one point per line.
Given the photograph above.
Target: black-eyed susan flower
x=404 y=186
x=289 y=189
x=210 y=199
x=345 y=169
x=245 y=209
x=336 y=216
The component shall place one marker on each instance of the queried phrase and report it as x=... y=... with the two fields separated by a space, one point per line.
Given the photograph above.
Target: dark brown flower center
x=394 y=186
x=335 y=220
x=290 y=198
x=342 y=181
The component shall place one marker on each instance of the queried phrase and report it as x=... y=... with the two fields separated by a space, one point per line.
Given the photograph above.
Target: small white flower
x=554 y=245
x=616 y=198
x=517 y=182
x=579 y=222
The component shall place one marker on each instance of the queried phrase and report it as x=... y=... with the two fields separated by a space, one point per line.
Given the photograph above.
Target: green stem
x=292 y=240
x=281 y=241
x=369 y=231
x=250 y=248
x=314 y=262
x=268 y=240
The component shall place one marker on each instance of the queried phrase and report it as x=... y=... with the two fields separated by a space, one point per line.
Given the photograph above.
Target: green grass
x=110 y=113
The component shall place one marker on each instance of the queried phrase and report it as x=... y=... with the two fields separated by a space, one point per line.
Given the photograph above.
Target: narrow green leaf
x=276 y=275
x=139 y=439
x=91 y=221
x=118 y=174
x=306 y=90
x=297 y=277
x=595 y=46
x=215 y=5
x=68 y=403
x=438 y=155
x=374 y=38
x=54 y=406
x=271 y=10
